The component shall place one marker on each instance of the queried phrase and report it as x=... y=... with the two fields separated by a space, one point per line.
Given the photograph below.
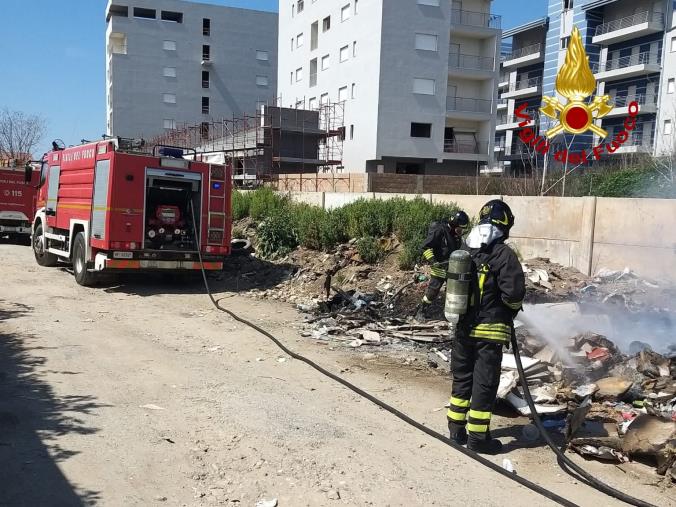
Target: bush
x=370 y=250
x=241 y=203
x=265 y=203
x=332 y=230
x=308 y=223
x=276 y=235
x=409 y=255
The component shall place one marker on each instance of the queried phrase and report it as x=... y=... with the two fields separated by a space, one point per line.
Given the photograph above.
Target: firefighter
x=444 y=238
x=496 y=297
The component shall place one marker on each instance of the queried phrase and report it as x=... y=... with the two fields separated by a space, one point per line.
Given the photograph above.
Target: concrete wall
x=588 y=233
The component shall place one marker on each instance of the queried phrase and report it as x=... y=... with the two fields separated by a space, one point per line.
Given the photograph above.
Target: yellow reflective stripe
x=426 y=300
x=494 y=325
x=438 y=272
x=483 y=272
x=428 y=254
x=490 y=336
x=492 y=331
x=477 y=428
x=456 y=416
x=476 y=414
x=459 y=402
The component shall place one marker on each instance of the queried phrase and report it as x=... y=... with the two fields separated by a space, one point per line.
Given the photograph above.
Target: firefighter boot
x=458 y=433
x=485 y=444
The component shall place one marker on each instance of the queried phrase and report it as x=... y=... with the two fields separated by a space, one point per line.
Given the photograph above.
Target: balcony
x=468 y=108
x=525 y=55
x=502 y=103
x=647 y=104
x=475 y=24
x=523 y=88
x=637 y=143
x=466 y=150
x=510 y=121
x=630 y=27
x=471 y=66
x=637 y=64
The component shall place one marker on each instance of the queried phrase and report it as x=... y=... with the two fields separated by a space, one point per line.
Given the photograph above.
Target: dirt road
x=139 y=393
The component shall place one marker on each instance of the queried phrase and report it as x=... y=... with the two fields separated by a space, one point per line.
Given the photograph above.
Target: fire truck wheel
x=42 y=257
x=82 y=276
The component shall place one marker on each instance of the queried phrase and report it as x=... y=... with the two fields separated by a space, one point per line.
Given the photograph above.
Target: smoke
x=556 y=323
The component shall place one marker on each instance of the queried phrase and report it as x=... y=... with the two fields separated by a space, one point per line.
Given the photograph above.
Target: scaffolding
x=271 y=142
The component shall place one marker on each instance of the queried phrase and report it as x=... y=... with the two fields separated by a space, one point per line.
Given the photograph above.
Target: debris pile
x=610 y=406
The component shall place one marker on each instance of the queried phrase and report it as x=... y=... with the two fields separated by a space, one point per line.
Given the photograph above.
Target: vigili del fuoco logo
x=576 y=82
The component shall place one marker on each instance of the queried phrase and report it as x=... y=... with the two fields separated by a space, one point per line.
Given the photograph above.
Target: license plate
x=123 y=255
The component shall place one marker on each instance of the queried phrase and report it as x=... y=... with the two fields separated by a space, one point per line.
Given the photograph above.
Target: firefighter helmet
x=498 y=213
x=459 y=219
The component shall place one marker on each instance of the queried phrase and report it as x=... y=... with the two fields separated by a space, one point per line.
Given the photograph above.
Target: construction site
x=271 y=142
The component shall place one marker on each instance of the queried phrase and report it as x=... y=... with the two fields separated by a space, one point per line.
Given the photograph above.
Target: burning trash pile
x=609 y=406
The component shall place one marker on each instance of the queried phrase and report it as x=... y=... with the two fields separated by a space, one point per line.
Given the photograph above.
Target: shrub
x=238 y=233
x=276 y=236
x=241 y=203
x=332 y=229
x=409 y=255
x=370 y=250
x=308 y=224
x=265 y=202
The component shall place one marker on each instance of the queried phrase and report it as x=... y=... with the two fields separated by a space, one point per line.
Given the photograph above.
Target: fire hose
x=419 y=426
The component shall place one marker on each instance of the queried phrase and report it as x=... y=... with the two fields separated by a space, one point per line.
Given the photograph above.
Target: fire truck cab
x=103 y=206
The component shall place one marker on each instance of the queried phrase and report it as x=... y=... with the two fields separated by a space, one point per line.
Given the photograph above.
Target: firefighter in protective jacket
x=444 y=238
x=495 y=299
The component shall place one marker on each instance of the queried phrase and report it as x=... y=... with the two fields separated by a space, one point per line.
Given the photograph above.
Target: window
x=169 y=45
x=668 y=128
x=206 y=27
x=205 y=105
x=671 y=85
x=314 y=35
x=293 y=10
x=567 y=5
x=169 y=72
x=299 y=74
x=354 y=91
x=169 y=98
x=421 y=130
x=301 y=6
x=261 y=81
x=313 y=72
x=434 y=3
x=351 y=132
x=325 y=62
x=312 y=103
x=342 y=94
x=291 y=78
x=206 y=52
x=118 y=10
x=139 y=12
x=293 y=43
x=564 y=42
x=170 y=124
x=299 y=104
x=263 y=56
x=354 y=49
x=356 y=2
x=424 y=86
x=299 y=40
x=324 y=99
x=344 y=53
x=326 y=24
x=673 y=44
x=426 y=42
x=205 y=79
x=174 y=17
x=345 y=13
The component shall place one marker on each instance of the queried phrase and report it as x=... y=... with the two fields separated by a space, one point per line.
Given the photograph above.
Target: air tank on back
x=459 y=275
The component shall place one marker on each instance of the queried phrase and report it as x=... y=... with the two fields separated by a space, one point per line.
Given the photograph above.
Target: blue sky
x=54 y=59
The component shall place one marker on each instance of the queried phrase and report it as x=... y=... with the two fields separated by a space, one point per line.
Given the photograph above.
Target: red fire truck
x=104 y=206
x=17 y=200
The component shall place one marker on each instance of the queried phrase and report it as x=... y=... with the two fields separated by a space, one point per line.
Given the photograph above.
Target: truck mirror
x=29 y=173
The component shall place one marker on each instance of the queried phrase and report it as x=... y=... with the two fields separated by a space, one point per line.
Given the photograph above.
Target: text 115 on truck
x=104 y=207
x=17 y=199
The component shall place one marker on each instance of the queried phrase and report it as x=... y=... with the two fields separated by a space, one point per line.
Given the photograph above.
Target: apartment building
x=173 y=61
x=417 y=79
x=631 y=46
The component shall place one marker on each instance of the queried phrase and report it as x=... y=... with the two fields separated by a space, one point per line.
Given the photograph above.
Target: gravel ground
x=137 y=392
